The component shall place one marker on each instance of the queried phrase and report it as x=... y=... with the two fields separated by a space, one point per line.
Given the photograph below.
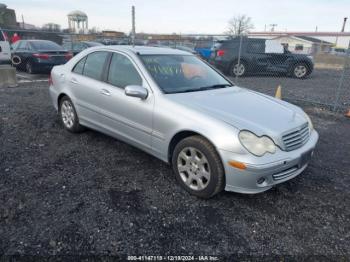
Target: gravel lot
x=88 y=194
x=319 y=87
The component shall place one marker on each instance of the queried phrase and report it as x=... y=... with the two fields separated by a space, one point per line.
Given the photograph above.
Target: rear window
x=45 y=45
x=256 y=47
x=94 y=65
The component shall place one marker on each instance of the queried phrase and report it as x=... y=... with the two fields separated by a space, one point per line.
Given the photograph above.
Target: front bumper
x=265 y=172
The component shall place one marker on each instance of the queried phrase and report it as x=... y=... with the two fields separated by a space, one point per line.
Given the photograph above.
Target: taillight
x=220 y=53
x=68 y=56
x=50 y=80
x=41 y=56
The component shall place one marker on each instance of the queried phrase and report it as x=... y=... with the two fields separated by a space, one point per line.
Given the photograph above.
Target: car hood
x=244 y=109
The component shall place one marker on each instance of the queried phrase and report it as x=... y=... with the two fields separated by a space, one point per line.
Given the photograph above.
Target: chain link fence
x=306 y=68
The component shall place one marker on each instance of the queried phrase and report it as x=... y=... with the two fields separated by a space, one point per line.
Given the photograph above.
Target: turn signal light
x=237 y=164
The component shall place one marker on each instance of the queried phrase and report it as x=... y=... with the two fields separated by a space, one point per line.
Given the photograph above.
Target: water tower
x=77 y=21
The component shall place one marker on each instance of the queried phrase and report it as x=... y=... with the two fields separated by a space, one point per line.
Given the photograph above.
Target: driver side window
x=122 y=72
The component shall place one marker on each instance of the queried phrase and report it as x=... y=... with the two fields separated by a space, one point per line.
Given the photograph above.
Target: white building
x=307 y=42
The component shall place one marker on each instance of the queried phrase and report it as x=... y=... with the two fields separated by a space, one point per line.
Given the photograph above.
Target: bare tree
x=240 y=24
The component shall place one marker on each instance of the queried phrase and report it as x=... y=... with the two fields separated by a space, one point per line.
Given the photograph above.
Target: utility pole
x=22 y=22
x=133 y=31
x=273 y=27
x=344 y=23
x=342 y=30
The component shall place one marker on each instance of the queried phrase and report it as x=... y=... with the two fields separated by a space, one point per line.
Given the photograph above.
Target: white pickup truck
x=5 y=50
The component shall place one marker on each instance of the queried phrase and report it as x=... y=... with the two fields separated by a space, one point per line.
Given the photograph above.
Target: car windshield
x=182 y=73
x=45 y=45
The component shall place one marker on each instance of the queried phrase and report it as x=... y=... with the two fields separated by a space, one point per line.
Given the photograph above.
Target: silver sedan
x=176 y=107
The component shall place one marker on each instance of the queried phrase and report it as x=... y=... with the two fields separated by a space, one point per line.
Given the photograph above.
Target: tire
x=29 y=68
x=68 y=115
x=198 y=167
x=238 y=69
x=300 y=70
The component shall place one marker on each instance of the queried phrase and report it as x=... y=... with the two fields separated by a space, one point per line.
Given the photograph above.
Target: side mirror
x=136 y=91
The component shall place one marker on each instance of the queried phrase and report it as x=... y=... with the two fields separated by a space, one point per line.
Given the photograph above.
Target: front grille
x=296 y=138
x=284 y=174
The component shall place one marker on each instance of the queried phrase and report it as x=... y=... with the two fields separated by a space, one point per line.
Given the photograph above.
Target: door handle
x=105 y=92
x=74 y=81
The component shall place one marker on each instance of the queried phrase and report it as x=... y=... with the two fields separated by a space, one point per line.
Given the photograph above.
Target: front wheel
x=300 y=70
x=198 y=167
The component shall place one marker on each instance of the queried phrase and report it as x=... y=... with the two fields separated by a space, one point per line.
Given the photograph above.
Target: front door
x=129 y=117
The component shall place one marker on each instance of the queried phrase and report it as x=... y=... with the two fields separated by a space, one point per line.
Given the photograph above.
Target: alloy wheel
x=67 y=113
x=239 y=69
x=300 y=71
x=193 y=168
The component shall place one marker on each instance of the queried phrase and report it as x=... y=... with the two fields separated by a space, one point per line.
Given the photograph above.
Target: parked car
x=187 y=49
x=38 y=55
x=179 y=47
x=204 y=49
x=256 y=58
x=5 y=51
x=77 y=47
x=179 y=109
x=340 y=51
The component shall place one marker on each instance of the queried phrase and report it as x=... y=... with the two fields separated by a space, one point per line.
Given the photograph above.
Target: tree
x=240 y=24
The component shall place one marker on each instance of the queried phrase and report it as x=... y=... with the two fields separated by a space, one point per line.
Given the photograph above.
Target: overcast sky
x=190 y=16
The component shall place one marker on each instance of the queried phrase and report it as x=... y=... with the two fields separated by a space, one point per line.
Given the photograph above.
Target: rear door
x=277 y=57
x=5 y=51
x=85 y=84
x=259 y=60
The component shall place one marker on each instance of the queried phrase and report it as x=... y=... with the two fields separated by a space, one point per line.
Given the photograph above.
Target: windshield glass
x=182 y=73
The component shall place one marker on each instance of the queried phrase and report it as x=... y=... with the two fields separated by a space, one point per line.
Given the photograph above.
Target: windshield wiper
x=202 y=88
x=213 y=87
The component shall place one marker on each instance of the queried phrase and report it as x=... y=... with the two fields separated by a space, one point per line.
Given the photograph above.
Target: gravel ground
x=320 y=87
x=88 y=194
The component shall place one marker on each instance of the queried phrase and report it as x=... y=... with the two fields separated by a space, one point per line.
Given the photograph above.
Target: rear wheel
x=69 y=115
x=238 y=69
x=198 y=167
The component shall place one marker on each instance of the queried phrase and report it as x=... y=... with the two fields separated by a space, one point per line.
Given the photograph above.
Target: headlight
x=257 y=145
x=311 y=126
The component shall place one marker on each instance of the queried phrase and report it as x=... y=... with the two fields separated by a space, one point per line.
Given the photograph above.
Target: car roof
x=37 y=40
x=145 y=50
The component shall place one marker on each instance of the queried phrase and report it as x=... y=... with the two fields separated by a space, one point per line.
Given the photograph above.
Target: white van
x=5 y=51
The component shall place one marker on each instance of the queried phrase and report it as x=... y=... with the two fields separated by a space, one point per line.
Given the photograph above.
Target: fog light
x=261 y=180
